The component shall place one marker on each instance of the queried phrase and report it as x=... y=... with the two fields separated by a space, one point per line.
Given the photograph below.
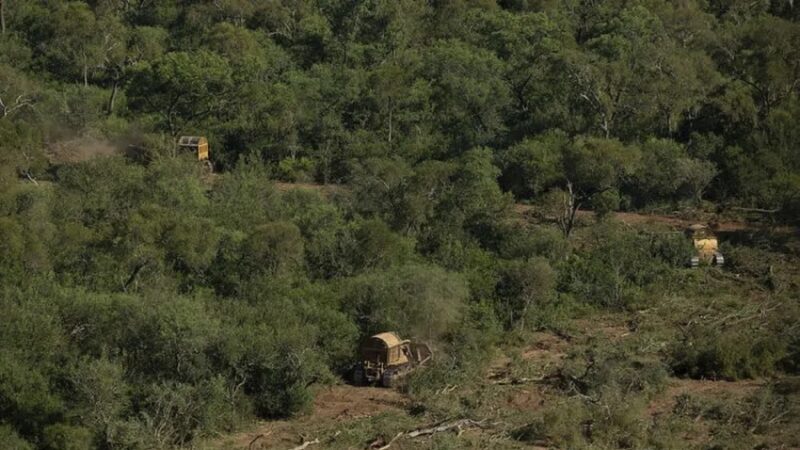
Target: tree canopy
x=146 y=303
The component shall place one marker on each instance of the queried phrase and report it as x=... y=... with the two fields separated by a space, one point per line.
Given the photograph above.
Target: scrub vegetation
x=505 y=180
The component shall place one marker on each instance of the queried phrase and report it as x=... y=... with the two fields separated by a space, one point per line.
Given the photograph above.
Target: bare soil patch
x=701 y=388
x=333 y=404
x=546 y=348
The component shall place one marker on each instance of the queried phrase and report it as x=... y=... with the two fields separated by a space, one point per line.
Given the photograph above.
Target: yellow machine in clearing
x=385 y=359
x=706 y=246
x=197 y=145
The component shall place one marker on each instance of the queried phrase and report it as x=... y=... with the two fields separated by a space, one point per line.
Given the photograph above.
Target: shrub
x=419 y=301
x=524 y=287
x=274 y=248
x=672 y=248
x=613 y=269
x=296 y=169
x=10 y=440
x=66 y=437
x=177 y=413
x=730 y=354
x=605 y=202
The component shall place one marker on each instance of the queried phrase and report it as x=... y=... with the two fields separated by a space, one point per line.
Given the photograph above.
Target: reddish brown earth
x=703 y=389
x=332 y=405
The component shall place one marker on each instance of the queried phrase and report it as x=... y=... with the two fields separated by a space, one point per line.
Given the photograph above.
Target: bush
x=612 y=270
x=524 y=288
x=730 y=354
x=176 y=413
x=605 y=202
x=274 y=248
x=672 y=248
x=10 y=440
x=423 y=302
x=296 y=170
x=66 y=437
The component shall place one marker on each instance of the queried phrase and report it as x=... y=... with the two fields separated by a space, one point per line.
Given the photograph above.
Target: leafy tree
x=417 y=301
x=612 y=273
x=525 y=285
x=75 y=45
x=66 y=437
x=10 y=440
x=696 y=175
x=591 y=167
x=767 y=65
x=530 y=45
x=275 y=249
x=181 y=88
x=132 y=46
x=615 y=90
x=18 y=94
x=100 y=395
x=533 y=165
x=468 y=95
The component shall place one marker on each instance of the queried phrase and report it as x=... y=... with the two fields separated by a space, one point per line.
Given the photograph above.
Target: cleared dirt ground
x=333 y=408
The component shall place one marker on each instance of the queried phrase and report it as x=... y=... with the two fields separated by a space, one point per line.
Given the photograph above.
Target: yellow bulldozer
x=198 y=146
x=706 y=246
x=385 y=359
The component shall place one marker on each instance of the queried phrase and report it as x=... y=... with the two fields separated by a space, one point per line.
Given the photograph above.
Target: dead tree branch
x=758 y=210
x=389 y=444
x=458 y=426
x=518 y=381
x=250 y=446
x=306 y=444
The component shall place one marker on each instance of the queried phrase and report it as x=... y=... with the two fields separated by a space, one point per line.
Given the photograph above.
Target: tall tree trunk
x=391 y=108
x=85 y=75
x=569 y=210
x=2 y=16
x=113 y=97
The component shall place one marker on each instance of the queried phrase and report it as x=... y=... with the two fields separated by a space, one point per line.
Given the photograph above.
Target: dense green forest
x=146 y=303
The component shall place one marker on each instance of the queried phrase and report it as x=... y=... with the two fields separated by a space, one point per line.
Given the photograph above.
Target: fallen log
x=458 y=425
x=389 y=444
x=306 y=444
x=517 y=381
x=250 y=447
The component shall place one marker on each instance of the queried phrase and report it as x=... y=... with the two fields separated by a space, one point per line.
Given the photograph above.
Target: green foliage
x=146 y=303
x=310 y=87
x=727 y=354
x=524 y=288
x=66 y=437
x=296 y=170
x=272 y=249
x=181 y=88
x=617 y=266
x=613 y=387
x=605 y=202
x=535 y=164
x=421 y=301
x=10 y=440
x=595 y=165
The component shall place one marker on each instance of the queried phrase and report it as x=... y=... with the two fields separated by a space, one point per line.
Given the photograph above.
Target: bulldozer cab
x=386 y=359
x=385 y=349
x=703 y=239
x=197 y=145
x=705 y=244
